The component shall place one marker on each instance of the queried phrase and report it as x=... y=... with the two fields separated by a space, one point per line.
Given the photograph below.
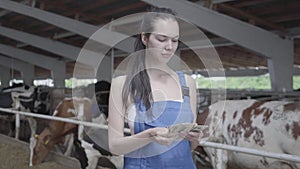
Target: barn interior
x=91 y=39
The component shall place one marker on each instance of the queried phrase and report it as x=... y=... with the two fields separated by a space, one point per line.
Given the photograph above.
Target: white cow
x=272 y=126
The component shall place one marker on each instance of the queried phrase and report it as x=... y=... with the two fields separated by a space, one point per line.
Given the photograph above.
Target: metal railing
x=287 y=157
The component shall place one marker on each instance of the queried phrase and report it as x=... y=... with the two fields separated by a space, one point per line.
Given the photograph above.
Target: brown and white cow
x=88 y=148
x=272 y=126
x=57 y=130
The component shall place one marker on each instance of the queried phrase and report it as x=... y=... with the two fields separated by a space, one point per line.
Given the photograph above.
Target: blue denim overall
x=156 y=156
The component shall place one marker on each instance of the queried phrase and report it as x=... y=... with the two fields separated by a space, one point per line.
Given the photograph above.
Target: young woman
x=151 y=97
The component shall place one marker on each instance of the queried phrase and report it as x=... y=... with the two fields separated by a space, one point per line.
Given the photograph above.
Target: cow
x=95 y=146
x=9 y=95
x=86 y=150
x=41 y=144
x=100 y=91
x=272 y=126
x=16 y=87
x=26 y=98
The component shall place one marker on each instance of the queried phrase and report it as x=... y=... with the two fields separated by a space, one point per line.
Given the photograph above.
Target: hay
x=15 y=157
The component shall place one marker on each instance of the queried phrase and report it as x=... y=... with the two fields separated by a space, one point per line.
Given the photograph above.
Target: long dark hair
x=137 y=84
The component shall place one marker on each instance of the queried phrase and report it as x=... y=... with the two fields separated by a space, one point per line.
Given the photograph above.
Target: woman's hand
x=161 y=135
x=193 y=137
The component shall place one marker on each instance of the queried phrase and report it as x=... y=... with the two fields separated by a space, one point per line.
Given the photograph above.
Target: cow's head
x=22 y=97
x=42 y=100
x=17 y=87
x=41 y=146
x=100 y=91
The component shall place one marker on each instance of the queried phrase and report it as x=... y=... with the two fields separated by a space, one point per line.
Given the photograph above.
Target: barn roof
x=31 y=27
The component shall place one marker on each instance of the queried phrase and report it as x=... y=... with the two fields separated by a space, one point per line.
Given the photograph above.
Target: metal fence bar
x=17 y=124
x=89 y=124
x=287 y=157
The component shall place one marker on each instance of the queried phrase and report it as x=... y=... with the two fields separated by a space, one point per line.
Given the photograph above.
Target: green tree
x=251 y=82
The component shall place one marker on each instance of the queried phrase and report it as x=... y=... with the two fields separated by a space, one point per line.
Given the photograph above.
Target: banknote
x=186 y=127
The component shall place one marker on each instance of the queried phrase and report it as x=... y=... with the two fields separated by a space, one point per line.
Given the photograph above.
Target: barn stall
x=57 y=154
x=15 y=154
x=253 y=54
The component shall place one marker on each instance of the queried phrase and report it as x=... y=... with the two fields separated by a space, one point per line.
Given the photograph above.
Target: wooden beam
x=275 y=8
x=248 y=16
x=241 y=4
x=285 y=17
x=106 y=37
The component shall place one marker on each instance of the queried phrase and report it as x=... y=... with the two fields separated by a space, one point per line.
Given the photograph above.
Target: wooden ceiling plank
x=222 y=1
x=107 y=37
x=71 y=12
x=285 y=17
x=239 y=57
x=58 y=2
x=16 y=18
x=249 y=16
x=275 y=8
x=247 y=3
x=232 y=58
x=97 y=4
x=111 y=12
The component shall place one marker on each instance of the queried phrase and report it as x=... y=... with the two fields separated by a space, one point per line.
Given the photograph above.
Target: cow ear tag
x=47 y=140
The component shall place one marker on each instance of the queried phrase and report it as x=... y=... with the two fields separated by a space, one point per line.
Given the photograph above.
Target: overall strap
x=184 y=89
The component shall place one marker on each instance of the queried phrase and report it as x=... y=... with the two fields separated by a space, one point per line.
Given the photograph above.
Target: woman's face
x=163 y=41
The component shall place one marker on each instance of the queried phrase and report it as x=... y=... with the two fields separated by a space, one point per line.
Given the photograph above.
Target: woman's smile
x=167 y=55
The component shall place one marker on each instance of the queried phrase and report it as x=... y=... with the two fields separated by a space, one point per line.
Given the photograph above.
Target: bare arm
x=193 y=137
x=118 y=143
x=193 y=95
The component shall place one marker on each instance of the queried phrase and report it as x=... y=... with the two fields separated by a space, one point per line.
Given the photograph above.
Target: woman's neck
x=155 y=67
x=161 y=74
